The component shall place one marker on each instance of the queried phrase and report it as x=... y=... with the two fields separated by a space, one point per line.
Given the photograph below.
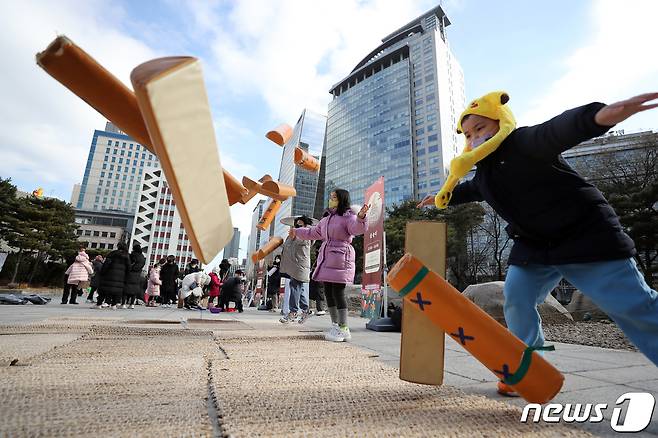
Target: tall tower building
x=308 y=134
x=257 y=238
x=395 y=114
x=113 y=172
x=233 y=248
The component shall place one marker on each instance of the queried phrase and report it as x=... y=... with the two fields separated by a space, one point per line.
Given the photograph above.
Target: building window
x=109 y=143
x=433 y=137
x=105 y=158
x=431 y=127
x=113 y=235
x=94 y=244
x=431 y=116
x=97 y=233
x=420 y=152
x=432 y=149
x=87 y=232
x=131 y=146
x=78 y=232
x=114 y=159
x=420 y=131
x=101 y=246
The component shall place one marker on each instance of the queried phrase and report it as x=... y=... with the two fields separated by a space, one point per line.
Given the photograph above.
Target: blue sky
x=265 y=61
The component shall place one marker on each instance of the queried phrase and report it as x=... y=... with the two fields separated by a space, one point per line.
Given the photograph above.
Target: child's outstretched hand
x=619 y=111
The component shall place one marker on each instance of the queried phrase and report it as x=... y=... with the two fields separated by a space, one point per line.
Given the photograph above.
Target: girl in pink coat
x=335 y=263
x=153 y=288
x=80 y=271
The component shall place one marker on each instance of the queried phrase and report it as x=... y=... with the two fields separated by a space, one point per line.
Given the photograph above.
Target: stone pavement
x=593 y=375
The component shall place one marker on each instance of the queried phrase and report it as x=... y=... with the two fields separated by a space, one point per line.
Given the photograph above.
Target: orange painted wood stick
x=267 y=249
x=269 y=214
x=306 y=160
x=281 y=134
x=536 y=380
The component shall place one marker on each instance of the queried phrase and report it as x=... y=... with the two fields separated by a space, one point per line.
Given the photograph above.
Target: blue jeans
x=617 y=287
x=298 y=299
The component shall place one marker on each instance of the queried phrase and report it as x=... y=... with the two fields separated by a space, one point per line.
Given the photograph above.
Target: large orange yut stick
x=76 y=70
x=536 y=380
x=306 y=160
x=267 y=249
x=269 y=214
x=281 y=134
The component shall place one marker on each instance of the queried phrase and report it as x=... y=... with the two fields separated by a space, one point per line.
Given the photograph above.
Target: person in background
x=113 y=276
x=192 y=289
x=153 y=288
x=296 y=265
x=335 y=263
x=168 y=276
x=192 y=267
x=97 y=264
x=274 y=282
x=232 y=290
x=134 y=278
x=215 y=284
x=78 y=275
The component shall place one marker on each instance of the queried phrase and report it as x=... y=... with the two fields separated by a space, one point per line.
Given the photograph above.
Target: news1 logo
x=635 y=417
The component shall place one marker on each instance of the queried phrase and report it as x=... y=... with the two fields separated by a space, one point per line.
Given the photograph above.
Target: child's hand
x=617 y=112
x=427 y=201
x=364 y=210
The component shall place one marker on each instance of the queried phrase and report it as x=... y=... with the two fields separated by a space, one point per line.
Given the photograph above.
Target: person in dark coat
x=134 y=279
x=232 y=290
x=562 y=226
x=68 y=288
x=97 y=263
x=168 y=275
x=274 y=282
x=114 y=274
x=192 y=267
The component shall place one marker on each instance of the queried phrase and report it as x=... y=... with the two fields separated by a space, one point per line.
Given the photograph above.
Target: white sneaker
x=105 y=305
x=335 y=334
x=132 y=306
x=320 y=313
x=346 y=333
x=123 y=306
x=113 y=307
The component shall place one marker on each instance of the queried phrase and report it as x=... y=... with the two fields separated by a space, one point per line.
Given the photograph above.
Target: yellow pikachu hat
x=493 y=106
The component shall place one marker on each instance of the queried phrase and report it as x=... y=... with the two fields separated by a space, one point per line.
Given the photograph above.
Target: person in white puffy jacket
x=192 y=289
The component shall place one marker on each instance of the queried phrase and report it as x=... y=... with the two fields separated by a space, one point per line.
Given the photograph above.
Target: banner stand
x=380 y=322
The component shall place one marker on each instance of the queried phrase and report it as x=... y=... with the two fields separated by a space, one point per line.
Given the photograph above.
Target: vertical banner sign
x=373 y=248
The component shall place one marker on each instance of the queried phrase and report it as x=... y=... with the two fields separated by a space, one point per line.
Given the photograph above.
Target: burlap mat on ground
x=114 y=380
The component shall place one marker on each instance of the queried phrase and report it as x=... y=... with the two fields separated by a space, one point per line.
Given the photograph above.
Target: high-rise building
x=308 y=134
x=257 y=238
x=113 y=172
x=233 y=248
x=395 y=115
x=157 y=226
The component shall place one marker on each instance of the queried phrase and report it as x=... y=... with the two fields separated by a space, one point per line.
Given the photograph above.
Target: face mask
x=333 y=203
x=479 y=142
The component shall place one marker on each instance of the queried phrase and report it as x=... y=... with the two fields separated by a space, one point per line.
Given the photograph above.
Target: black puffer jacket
x=554 y=215
x=114 y=273
x=95 y=280
x=134 y=278
x=168 y=276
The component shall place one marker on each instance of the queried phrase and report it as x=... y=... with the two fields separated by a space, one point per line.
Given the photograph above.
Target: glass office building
x=395 y=115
